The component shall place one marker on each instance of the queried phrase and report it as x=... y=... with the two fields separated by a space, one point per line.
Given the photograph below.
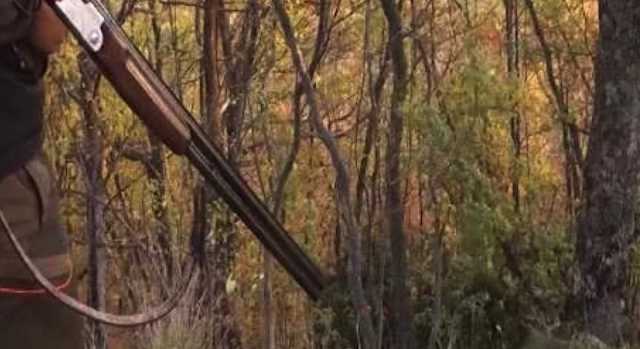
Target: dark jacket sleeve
x=15 y=19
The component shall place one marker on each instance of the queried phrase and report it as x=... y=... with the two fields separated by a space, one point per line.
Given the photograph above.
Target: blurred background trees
x=429 y=153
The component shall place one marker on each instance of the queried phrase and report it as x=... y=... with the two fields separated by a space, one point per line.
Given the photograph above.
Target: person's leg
x=31 y=320
x=37 y=322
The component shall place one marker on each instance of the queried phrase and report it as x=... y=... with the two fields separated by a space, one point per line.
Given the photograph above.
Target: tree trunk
x=606 y=226
x=512 y=37
x=364 y=321
x=574 y=161
x=268 y=311
x=156 y=170
x=401 y=312
x=95 y=196
x=224 y=334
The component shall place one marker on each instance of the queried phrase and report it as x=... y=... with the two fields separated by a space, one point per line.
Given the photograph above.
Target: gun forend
x=128 y=72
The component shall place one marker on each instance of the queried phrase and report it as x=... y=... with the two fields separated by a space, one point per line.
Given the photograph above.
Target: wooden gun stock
x=160 y=110
x=141 y=89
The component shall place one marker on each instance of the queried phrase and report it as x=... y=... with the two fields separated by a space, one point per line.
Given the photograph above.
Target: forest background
x=429 y=153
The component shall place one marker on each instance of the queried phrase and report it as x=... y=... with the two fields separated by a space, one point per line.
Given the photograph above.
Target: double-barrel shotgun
x=165 y=116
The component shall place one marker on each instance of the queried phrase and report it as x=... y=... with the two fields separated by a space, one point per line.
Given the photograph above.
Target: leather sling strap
x=144 y=318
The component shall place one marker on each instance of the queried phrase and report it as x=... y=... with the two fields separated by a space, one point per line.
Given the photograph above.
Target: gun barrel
x=243 y=201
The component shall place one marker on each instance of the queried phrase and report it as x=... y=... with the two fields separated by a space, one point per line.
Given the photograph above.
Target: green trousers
x=30 y=319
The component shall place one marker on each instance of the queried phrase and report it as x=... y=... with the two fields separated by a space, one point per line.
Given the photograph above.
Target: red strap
x=37 y=291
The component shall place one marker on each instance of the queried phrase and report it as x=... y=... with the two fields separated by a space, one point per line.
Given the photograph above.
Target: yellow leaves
x=458 y=158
